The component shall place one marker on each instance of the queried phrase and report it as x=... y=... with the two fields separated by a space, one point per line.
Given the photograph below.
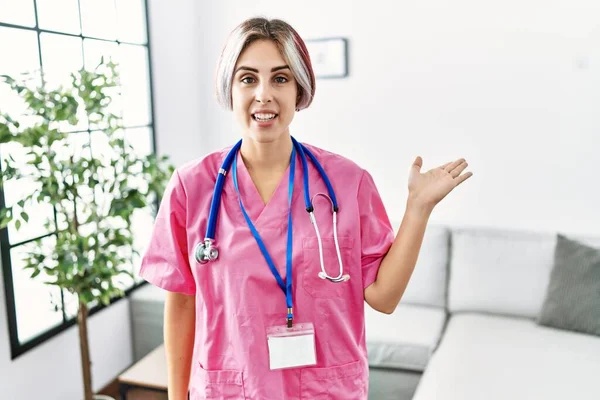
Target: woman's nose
x=263 y=93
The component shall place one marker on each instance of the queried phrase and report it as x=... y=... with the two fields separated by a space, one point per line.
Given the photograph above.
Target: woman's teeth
x=264 y=117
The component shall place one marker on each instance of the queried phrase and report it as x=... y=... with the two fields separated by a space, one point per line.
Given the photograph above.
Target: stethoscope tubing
x=218 y=190
x=303 y=152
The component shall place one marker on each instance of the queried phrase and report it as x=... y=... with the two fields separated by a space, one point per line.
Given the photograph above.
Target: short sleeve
x=376 y=232
x=165 y=262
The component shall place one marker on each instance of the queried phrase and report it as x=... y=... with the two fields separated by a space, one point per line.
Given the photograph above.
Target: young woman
x=278 y=312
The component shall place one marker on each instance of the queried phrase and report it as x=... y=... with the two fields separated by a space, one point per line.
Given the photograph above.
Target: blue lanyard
x=287 y=287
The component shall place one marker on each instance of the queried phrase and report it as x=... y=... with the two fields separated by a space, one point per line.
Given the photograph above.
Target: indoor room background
x=512 y=86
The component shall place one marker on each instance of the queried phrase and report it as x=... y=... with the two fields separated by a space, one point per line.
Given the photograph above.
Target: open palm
x=430 y=187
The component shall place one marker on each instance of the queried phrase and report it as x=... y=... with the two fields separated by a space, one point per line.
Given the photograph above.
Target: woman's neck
x=270 y=156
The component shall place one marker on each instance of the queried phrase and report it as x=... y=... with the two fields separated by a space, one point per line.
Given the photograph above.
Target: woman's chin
x=267 y=136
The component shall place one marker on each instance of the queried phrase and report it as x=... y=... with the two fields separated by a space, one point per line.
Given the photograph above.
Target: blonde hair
x=290 y=45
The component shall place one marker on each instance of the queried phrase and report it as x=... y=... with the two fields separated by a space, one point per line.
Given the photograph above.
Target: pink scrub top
x=237 y=297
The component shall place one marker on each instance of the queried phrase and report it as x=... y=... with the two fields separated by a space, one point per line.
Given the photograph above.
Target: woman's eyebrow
x=256 y=71
x=280 y=68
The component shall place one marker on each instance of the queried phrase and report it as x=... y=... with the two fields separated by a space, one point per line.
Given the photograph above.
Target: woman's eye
x=281 y=79
x=248 y=79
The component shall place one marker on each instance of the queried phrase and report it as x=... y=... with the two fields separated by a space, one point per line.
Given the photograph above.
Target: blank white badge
x=291 y=347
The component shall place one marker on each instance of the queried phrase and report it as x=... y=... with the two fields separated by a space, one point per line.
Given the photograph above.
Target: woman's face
x=263 y=92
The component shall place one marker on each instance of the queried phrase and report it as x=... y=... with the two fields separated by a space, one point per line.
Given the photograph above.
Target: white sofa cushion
x=499 y=271
x=493 y=357
x=406 y=338
x=427 y=285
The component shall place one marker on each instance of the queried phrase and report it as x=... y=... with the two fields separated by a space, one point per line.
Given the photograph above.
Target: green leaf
x=5 y=134
x=5 y=220
x=18 y=224
x=82 y=264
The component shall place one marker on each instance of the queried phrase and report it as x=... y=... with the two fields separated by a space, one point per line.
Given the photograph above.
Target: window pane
x=93 y=51
x=102 y=150
x=140 y=139
x=61 y=56
x=16 y=190
x=33 y=299
x=59 y=15
x=99 y=19
x=18 y=12
x=76 y=145
x=71 y=304
x=131 y=15
x=135 y=84
x=123 y=281
x=143 y=220
x=21 y=42
x=25 y=44
x=41 y=216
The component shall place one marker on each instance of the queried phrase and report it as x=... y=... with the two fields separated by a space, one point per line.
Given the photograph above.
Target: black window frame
x=17 y=349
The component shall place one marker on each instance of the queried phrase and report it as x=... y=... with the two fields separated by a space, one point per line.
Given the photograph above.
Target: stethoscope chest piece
x=205 y=252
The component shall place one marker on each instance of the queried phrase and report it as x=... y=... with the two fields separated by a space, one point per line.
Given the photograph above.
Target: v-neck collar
x=275 y=211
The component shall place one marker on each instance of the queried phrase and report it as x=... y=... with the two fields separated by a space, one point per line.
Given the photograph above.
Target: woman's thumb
x=417 y=164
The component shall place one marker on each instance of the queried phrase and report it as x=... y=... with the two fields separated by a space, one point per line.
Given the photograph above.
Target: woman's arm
x=398 y=264
x=179 y=332
x=426 y=190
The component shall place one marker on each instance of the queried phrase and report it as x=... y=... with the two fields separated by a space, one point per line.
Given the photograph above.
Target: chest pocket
x=311 y=265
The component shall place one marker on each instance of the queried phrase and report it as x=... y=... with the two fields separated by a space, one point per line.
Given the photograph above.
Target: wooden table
x=148 y=375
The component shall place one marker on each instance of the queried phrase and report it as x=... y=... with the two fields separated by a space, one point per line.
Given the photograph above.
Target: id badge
x=291 y=347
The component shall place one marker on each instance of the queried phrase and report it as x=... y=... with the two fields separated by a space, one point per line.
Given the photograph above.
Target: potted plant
x=94 y=194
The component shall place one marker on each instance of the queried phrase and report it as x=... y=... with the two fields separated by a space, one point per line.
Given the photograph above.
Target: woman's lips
x=264 y=123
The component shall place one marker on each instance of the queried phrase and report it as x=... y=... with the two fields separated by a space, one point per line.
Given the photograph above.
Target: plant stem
x=85 y=350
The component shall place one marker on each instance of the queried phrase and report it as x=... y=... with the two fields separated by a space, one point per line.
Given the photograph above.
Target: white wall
x=513 y=86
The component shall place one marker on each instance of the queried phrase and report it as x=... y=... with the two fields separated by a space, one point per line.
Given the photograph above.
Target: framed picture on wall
x=329 y=57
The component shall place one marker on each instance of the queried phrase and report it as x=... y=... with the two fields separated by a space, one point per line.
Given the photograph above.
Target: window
x=59 y=37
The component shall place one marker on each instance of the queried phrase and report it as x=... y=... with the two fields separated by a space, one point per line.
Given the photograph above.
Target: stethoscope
x=207 y=251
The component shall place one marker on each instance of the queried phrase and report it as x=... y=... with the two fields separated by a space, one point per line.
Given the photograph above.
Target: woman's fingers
x=451 y=166
x=458 y=169
x=463 y=178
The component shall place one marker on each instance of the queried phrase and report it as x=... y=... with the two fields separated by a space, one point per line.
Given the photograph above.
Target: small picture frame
x=329 y=57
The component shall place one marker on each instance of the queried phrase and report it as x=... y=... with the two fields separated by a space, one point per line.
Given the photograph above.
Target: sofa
x=467 y=326
x=468 y=322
